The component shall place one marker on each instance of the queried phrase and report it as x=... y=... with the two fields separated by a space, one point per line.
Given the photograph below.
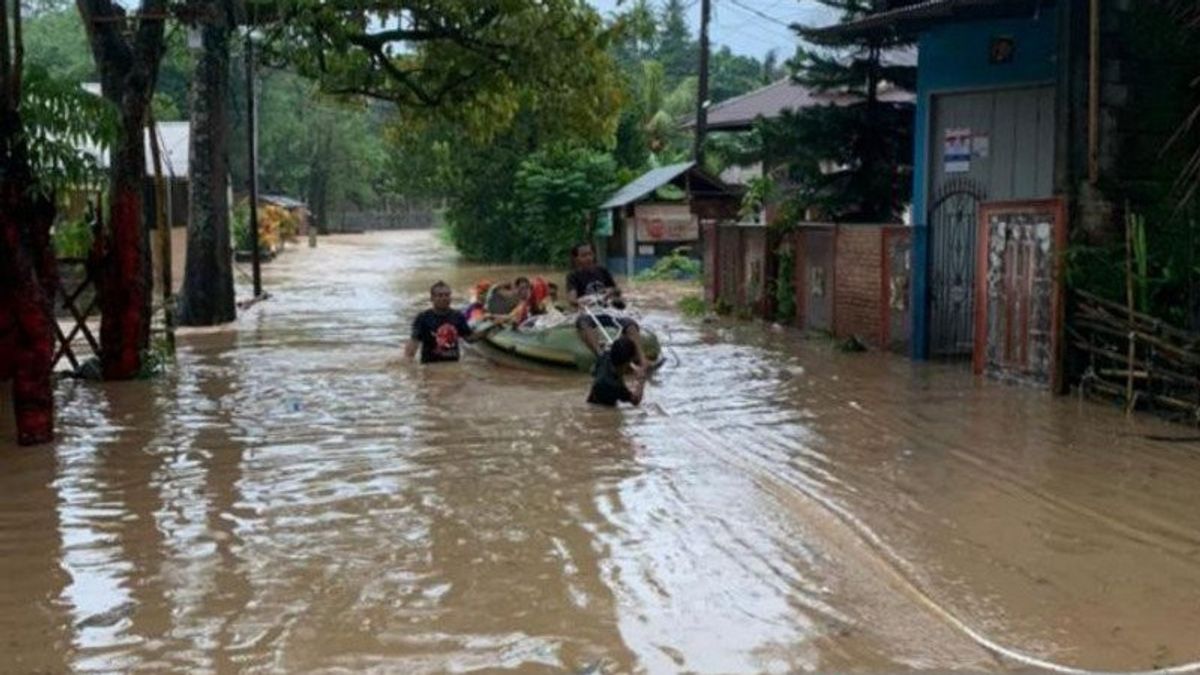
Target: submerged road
x=294 y=497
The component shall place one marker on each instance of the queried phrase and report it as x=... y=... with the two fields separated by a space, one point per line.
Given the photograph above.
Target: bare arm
x=636 y=391
x=410 y=349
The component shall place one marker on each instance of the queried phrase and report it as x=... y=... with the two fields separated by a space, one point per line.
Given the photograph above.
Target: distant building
x=659 y=212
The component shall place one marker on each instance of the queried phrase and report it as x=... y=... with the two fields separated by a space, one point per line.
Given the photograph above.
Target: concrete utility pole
x=252 y=131
x=702 y=90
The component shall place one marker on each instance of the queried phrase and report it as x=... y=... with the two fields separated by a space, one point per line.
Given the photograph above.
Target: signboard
x=956 y=156
x=666 y=222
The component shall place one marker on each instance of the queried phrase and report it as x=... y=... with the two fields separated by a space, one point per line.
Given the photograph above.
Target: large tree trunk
x=28 y=284
x=208 y=297
x=127 y=61
x=125 y=279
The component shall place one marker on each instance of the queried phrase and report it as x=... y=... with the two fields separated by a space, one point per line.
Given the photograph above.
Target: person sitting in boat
x=608 y=381
x=477 y=311
x=437 y=331
x=589 y=280
x=523 y=295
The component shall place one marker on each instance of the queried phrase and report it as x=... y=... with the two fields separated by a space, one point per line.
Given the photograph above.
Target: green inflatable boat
x=556 y=347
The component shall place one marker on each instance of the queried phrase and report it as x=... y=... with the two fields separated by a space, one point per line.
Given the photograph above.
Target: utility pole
x=252 y=132
x=702 y=90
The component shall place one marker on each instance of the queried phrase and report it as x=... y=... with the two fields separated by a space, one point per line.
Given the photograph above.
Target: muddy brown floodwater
x=293 y=497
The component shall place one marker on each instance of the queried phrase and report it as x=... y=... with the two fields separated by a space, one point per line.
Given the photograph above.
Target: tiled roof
x=910 y=14
x=770 y=101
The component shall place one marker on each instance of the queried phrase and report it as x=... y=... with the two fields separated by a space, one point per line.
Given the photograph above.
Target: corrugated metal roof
x=645 y=184
x=772 y=100
x=894 y=20
x=174 y=140
x=281 y=200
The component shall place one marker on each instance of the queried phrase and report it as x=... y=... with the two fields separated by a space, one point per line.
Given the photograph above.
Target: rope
x=897 y=565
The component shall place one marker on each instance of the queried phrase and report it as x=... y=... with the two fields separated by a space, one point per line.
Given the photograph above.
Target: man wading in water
x=436 y=331
x=589 y=279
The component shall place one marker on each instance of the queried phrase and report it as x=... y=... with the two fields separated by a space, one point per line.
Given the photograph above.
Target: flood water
x=294 y=497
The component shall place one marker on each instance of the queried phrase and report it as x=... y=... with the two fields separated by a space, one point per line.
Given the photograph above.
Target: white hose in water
x=897 y=565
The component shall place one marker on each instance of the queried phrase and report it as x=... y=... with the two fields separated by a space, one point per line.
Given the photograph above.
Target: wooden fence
x=1133 y=358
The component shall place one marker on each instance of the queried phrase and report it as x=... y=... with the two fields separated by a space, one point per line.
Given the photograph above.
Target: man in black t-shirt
x=436 y=332
x=586 y=278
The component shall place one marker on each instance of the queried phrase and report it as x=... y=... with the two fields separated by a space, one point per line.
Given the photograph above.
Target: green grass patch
x=693 y=306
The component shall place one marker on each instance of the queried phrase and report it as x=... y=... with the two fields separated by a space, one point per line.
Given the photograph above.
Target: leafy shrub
x=73 y=239
x=528 y=208
x=678 y=265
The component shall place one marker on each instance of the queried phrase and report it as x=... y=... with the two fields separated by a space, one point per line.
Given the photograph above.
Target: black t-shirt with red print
x=439 y=334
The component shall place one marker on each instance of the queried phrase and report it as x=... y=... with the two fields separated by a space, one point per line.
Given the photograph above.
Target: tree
x=207 y=294
x=41 y=121
x=468 y=62
x=127 y=62
x=849 y=157
x=676 y=49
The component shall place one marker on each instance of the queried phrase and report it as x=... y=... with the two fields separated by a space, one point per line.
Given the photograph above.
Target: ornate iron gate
x=953 y=223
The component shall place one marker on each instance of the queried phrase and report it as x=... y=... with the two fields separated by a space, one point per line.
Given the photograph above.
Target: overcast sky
x=751 y=27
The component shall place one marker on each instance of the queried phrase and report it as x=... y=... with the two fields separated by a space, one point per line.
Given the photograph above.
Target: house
x=659 y=212
x=174 y=139
x=1024 y=133
x=740 y=113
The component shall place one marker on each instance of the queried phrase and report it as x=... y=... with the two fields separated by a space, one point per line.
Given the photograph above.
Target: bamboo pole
x=163 y=231
x=1129 y=301
x=1094 y=93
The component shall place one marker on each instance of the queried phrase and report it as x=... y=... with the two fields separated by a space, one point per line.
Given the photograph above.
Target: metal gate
x=953 y=223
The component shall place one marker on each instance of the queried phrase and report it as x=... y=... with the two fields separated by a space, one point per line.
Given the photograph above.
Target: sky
x=751 y=27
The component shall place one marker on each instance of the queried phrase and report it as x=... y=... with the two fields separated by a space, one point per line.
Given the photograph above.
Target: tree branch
x=101 y=20
x=18 y=61
x=6 y=89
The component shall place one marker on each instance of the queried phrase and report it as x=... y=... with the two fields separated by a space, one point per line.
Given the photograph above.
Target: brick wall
x=857 y=301
x=843 y=276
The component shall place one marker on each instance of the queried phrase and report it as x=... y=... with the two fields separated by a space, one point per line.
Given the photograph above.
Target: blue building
x=1016 y=100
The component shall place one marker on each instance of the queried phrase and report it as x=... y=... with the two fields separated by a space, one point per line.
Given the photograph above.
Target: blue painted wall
x=954 y=57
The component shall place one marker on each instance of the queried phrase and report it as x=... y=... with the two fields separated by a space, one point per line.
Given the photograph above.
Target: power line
x=761 y=14
x=761 y=21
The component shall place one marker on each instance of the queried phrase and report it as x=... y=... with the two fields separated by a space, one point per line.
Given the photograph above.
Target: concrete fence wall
x=849 y=280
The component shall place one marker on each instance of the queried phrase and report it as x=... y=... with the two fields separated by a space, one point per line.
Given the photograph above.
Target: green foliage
x=850 y=160
x=156 y=358
x=314 y=147
x=693 y=306
x=678 y=265
x=677 y=51
x=473 y=64
x=58 y=119
x=239 y=222
x=758 y=194
x=555 y=192
x=73 y=239
x=529 y=209
x=55 y=40
x=1157 y=173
